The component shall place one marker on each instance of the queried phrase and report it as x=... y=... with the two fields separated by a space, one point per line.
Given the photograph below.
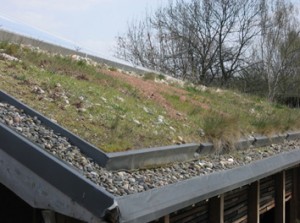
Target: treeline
x=250 y=45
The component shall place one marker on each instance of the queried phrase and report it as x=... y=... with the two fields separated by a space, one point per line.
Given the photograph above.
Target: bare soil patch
x=154 y=91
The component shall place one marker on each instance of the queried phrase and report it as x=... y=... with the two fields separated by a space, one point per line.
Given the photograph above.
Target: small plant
x=161 y=77
x=21 y=77
x=191 y=89
x=119 y=109
x=195 y=111
x=81 y=63
x=24 y=65
x=112 y=69
x=4 y=44
x=222 y=130
x=149 y=76
x=12 y=49
x=82 y=77
x=115 y=124
x=270 y=123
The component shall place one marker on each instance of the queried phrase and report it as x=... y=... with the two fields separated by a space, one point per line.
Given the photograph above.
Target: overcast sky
x=89 y=24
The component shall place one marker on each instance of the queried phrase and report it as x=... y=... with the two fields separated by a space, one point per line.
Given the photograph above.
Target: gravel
x=125 y=182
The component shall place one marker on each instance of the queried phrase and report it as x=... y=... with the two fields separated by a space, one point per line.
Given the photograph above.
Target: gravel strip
x=125 y=182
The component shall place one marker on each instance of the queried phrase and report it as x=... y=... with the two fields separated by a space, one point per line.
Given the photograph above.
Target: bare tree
x=197 y=40
x=238 y=25
x=277 y=51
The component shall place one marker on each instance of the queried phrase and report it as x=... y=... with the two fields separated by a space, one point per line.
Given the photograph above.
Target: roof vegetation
x=118 y=111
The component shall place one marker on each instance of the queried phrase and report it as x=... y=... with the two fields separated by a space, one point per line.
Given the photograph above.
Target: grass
x=116 y=116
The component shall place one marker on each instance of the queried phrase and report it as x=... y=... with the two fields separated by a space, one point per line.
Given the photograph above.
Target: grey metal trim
x=151 y=157
x=206 y=148
x=56 y=172
x=261 y=141
x=153 y=204
x=99 y=156
x=293 y=135
x=277 y=139
x=244 y=143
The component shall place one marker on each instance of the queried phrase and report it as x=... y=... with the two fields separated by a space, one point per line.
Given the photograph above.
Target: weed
x=161 y=77
x=149 y=76
x=112 y=69
x=12 y=49
x=4 y=44
x=120 y=109
x=115 y=123
x=21 y=77
x=81 y=63
x=13 y=64
x=191 y=89
x=222 y=130
x=82 y=77
x=24 y=65
x=195 y=111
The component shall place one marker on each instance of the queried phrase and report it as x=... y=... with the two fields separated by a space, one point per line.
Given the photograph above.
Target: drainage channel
x=67 y=165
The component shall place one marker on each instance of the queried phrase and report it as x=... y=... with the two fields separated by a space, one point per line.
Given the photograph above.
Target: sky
x=91 y=25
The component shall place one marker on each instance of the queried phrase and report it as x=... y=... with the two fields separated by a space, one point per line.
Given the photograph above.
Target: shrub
x=222 y=130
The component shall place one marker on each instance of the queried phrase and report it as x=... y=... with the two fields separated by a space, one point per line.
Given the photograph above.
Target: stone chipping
x=124 y=182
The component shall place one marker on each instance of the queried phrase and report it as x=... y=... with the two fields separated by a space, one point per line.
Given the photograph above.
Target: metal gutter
x=37 y=192
x=153 y=204
x=36 y=169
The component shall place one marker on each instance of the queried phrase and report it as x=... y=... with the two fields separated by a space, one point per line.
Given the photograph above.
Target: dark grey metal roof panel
x=153 y=204
x=37 y=192
x=99 y=156
x=55 y=172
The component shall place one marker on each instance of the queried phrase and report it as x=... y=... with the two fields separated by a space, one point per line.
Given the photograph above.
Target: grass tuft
x=222 y=130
